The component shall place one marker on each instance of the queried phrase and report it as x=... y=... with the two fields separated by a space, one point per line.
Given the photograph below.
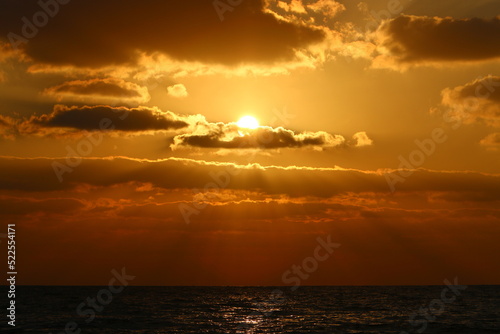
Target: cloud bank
x=94 y=34
x=230 y=136
x=98 y=90
x=105 y=118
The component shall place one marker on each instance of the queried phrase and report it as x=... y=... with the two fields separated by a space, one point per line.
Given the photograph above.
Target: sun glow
x=248 y=122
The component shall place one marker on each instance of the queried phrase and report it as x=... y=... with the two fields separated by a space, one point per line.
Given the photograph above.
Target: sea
x=374 y=309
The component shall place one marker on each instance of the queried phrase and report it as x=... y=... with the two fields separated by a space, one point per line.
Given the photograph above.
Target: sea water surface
x=256 y=310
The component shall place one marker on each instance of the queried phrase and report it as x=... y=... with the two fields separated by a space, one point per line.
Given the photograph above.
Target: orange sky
x=379 y=127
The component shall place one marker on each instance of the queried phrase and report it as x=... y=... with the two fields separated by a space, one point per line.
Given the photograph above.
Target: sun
x=248 y=122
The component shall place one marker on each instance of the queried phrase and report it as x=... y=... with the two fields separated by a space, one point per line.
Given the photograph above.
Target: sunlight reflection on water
x=308 y=310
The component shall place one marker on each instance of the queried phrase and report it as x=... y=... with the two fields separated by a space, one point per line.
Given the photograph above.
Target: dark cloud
x=453 y=8
x=96 y=89
x=222 y=135
x=411 y=39
x=176 y=173
x=463 y=198
x=92 y=33
x=487 y=88
x=105 y=118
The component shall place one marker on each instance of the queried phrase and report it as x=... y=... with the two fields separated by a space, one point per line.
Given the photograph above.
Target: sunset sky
x=379 y=125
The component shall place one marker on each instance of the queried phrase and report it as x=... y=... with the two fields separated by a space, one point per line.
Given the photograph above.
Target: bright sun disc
x=248 y=122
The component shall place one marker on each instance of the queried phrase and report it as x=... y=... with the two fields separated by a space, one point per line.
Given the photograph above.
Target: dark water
x=256 y=310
